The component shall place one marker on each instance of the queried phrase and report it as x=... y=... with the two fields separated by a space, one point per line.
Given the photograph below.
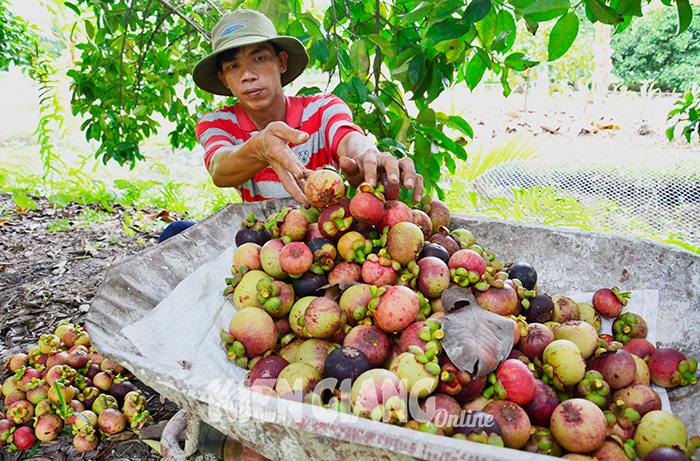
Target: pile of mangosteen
x=62 y=386
x=350 y=289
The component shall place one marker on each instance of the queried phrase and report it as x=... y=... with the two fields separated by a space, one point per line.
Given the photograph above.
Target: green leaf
x=420 y=12
x=685 y=15
x=24 y=202
x=563 y=35
x=390 y=143
x=89 y=29
x=589 y=14
x=447 y=30
x=519 y=62
x=416 y=69
x=487 y=59
x=475 y=71
x=603 y=13
x=73 y=7
x=452 y=49
x=332 y=60
x=544 y=10
x=460 y=124
x=360 y=90
x=426 y=117
x=476 y=11
x=61 y=198
x=443 y=10
x=384 y=45
x=670 y=132
x=359 y=58
x=521 y=4
x=505 y=36
x=504 y=82
x=343 y=91
x=487 y=28
x=629 y=8
x=377 y=102
x=321 y=51
x=312 y=27
x=620 y=27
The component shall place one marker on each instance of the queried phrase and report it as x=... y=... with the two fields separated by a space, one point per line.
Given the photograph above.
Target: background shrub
x=650 y=51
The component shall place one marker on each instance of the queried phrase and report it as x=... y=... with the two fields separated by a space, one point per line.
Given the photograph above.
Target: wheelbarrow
x=186 y=363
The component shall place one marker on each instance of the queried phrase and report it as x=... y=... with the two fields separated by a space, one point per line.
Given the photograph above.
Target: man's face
x=253 y=75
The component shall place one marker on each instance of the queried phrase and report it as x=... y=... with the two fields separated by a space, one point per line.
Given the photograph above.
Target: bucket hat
x=240 y=28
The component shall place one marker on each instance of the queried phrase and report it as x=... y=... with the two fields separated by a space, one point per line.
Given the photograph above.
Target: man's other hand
x=368 y=165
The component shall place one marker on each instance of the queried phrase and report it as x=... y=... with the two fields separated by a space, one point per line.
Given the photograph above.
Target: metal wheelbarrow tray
x=567 y=261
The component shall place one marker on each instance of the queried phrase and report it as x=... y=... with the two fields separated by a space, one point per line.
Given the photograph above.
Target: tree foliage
x=653 y=51
x=16 y=38
x=685 y=117
x=391 y=59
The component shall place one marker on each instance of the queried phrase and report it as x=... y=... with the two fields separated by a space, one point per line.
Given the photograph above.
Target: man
x=267 y=143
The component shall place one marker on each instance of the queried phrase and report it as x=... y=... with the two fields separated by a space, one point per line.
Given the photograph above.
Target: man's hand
x=368 y=165
x=274 y=150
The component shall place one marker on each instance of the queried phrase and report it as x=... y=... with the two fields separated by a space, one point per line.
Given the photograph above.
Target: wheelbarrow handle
x=199 y=438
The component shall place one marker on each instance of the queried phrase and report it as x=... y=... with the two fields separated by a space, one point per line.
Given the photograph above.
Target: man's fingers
x=369 y=165
x=391 y=167
x=288 y=161
x=353 y=171
x=349 y=166
x=418 y=190
x=289 y=134
x=293 y=186
x=408 y=173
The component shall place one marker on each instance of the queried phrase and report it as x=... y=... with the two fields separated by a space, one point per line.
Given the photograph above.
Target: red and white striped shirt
x=326 y=118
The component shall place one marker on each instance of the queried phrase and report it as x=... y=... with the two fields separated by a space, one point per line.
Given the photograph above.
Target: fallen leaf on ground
x=162 y=215
x=153 y=444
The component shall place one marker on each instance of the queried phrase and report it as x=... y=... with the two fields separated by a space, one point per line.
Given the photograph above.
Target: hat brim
x=205 y=73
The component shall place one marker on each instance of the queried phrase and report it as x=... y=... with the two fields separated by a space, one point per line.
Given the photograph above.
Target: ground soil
x=48 y=276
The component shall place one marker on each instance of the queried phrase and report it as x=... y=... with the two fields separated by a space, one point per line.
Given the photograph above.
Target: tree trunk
x=602 y=60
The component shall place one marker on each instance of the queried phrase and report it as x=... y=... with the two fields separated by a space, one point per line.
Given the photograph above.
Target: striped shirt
x=326 y=118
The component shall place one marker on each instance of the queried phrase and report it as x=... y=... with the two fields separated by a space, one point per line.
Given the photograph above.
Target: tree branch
x=219 y=10
x=144 y=52
x=121 y=55
x=377 y=62
x=175 y=10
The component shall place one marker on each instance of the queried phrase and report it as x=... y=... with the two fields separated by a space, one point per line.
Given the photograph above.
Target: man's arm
x=231 y=166
x=361 y=161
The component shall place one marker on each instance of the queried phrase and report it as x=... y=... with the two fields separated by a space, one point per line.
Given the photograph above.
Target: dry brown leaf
x=162 y=215
x=334 y=290
x=476 y=340
x=154 y=444
x=120 y=437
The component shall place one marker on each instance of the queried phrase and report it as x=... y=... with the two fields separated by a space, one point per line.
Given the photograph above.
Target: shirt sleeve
x=336 y=123
x=212 y=133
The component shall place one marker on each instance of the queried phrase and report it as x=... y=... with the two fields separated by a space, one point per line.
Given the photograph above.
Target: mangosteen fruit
x=436 y=250
x=309 y=284
x=345 y=363
x=524 y=272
